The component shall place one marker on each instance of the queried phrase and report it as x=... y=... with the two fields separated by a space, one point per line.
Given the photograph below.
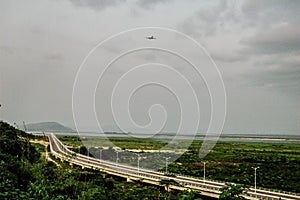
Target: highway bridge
x=178 y=182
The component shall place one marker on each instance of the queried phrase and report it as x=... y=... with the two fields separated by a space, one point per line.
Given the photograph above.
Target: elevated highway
x=178 y=182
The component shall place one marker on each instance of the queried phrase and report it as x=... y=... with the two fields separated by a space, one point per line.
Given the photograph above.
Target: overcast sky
x=255 y=45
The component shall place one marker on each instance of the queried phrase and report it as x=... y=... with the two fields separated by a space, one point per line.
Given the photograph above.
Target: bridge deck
x=207 y=188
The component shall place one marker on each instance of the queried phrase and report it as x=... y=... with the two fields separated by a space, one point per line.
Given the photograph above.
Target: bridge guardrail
x=207 y=185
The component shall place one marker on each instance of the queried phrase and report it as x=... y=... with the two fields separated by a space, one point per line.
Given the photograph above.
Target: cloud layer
x=255 y=44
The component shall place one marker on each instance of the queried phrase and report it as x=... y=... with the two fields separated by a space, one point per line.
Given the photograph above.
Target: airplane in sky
x=151 y=37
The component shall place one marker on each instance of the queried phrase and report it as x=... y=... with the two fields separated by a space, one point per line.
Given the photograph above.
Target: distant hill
x=48 y=127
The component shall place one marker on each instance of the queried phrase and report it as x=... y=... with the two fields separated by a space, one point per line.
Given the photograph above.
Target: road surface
x=206 y=187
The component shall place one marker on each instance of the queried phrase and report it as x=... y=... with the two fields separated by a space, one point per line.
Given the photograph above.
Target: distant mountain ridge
x=48 y=127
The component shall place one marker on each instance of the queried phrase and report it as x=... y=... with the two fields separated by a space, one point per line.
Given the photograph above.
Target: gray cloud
x=286 y=80
x=254 y=43
x=150 y=4
x=102 y=4
x=278 y=73
x=205 y=21
x=274 y=44
x=6 y=49
x=96 y=4
x=228 y=56
x=55 y=57
x=281 y=39
x=276 y=26
x=218 y=27
x=270 y=11
x=136 y=7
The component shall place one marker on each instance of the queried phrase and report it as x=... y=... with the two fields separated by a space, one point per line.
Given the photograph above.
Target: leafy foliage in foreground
x=232 y=192
x=17 y=156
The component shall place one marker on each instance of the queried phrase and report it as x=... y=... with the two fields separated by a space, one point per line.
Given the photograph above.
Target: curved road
x=209 y=188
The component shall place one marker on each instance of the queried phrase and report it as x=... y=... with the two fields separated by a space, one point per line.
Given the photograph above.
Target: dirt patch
x=42 y=142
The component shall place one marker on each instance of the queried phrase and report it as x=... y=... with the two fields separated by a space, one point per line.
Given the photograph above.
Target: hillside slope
x=48 y=126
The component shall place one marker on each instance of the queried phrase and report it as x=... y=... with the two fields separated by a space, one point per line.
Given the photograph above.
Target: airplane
x=151 y=37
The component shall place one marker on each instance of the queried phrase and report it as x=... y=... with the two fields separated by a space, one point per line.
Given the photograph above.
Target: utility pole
x=255 y=168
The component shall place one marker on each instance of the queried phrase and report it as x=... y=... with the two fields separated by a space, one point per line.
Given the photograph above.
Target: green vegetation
x=17 y=157
x=57 y=183
x=232 y=162
x=233 y=192
x=228 y=161
x=123 y=143
x=25 y=174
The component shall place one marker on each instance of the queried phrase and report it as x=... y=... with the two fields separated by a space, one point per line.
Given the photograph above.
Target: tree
x=167 y=182
x=189 y=195
x=233 y=192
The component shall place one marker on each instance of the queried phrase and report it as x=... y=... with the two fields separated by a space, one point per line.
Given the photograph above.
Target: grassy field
x=228 y=161
x=122 y=143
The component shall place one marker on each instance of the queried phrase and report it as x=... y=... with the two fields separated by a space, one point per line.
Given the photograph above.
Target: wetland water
x=294 y=139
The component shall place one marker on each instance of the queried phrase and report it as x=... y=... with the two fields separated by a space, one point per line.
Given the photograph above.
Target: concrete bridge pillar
x=167 y=188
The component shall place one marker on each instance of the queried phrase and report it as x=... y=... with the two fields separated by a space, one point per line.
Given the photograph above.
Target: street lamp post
x=138 y=160
x=167 y=158
x=88 y=153
x=100 y=154
x=255 y=168
x=204 y=163
x=117 y=160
